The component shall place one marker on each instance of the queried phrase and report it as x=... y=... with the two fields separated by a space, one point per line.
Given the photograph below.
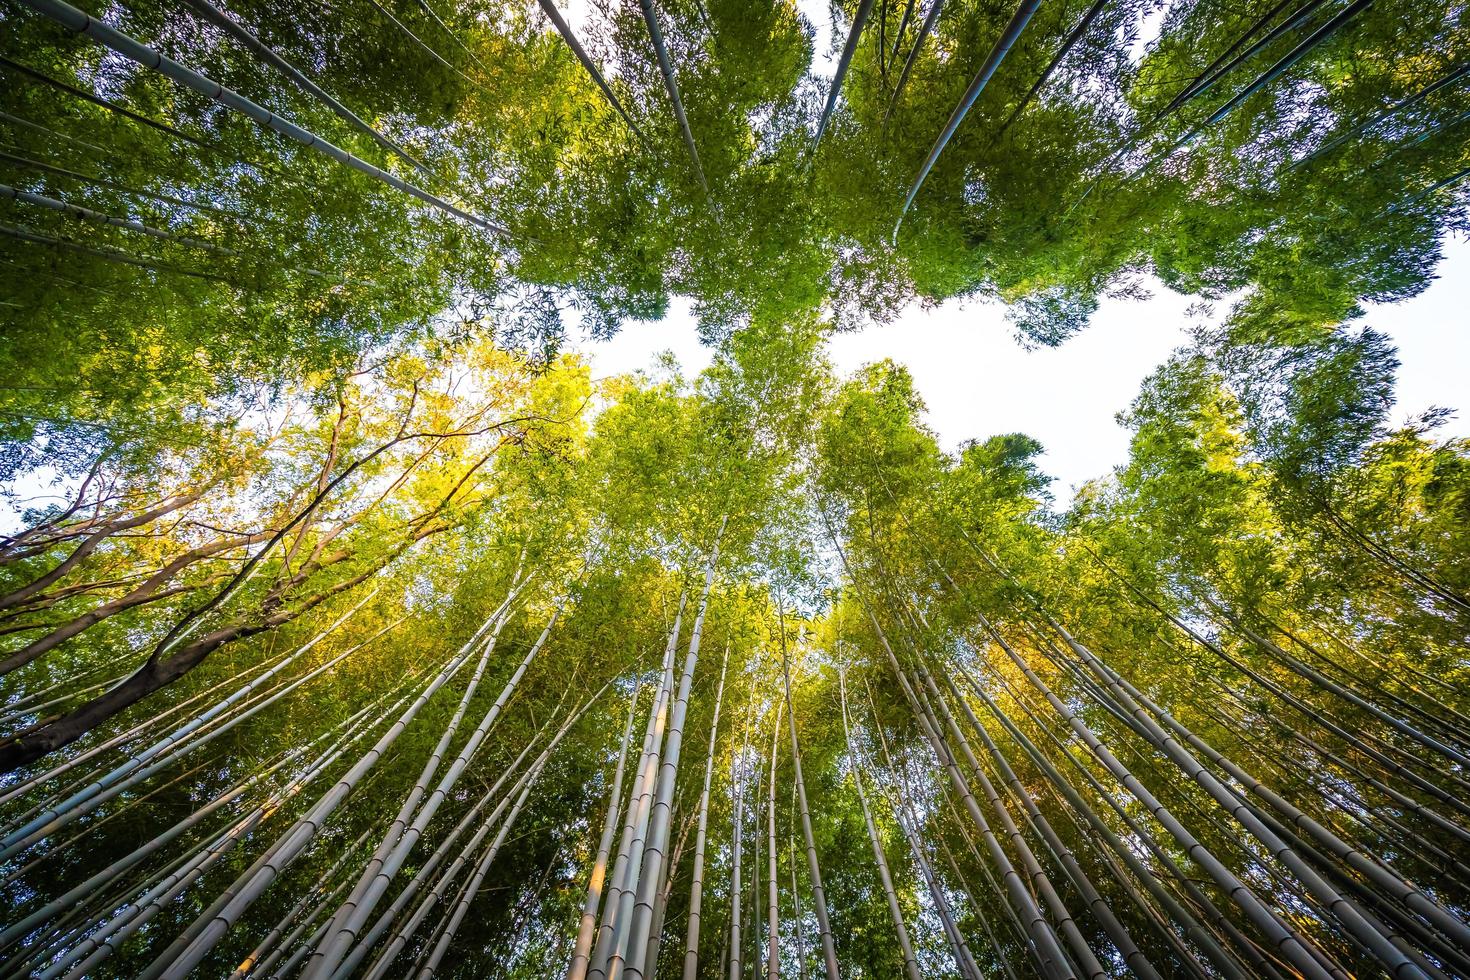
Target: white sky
x=977 y=381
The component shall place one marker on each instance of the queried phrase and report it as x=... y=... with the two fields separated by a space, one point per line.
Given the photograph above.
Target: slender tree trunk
x=565 y=30
x=907 y=819
x=587 y=926
x=157 y=674
x=773 y=899
x=211 y=927
x=164 y=751
x=1176 y=912
x=227 y=24
x=400 y=902
x=1013 y=30
x=819 y=897
x=472 y=887
x=905 y=946
x=379 y=873
x=834 y=88
x=660 y=909
x=1117 y=932
x=671 y=85
x=79 y=22
x=1045 y=943
x=1285 y=939
x=696 y=882
x=1077 y=943
x=610 y=952
x=272 y=938
x=925 y=28
x=1079 y=32
x=737 y=834
x=651 y=878
x=795 y=893
x=1364 y=927
x=757 y=925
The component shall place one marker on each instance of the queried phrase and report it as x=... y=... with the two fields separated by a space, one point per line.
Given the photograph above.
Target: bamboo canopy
x=356 y=622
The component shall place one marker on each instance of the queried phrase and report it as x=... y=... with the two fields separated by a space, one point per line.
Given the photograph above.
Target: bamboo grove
x=344 y=175
x=353 y=625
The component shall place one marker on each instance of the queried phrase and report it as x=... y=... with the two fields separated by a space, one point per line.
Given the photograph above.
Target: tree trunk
x=77 y=21
x=587 y=926
x=696 y=882
x=651 y=877
x=819 y=897
x=906 y=948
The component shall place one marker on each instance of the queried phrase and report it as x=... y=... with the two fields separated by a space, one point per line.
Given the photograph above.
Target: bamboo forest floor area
x=354 y=625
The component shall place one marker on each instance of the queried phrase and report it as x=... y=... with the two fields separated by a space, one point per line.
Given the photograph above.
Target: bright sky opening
x=977 y=381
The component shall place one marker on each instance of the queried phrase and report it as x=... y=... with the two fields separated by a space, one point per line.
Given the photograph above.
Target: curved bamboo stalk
x=1176 y=912
x=109 y=105
x=211 y=927
x=795 y=892
x=903 y=23
x=112 y=255
x=260 y=49
x=1322 y=680
x=272 y=940
x=565 y=30
x=773 y=898
x=399 y=842
x=666 y=69
x=1381 y=876
x=472 y=887
x=834 y=88
x=75 y=896
x=906 y=816
x=1117 y=932
x=1287 y=61
x=1224 y=64
x=524 y=785
x=1078 y=33
x=178 y=752
x=1288 y=941
x=1002 y=47
x=102 y=943
x=1046 y=946
x=120 y=738
x=370 y=937
x=93 y=794
x=112 y=185
x=925 y=28
x=661 y=907
x=1373 y=934
x=81 y=23
x=1048 y=943
x=965 y=886
x=737 y=835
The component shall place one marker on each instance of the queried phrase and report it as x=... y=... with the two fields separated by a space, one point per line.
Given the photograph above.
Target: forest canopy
x=352 y=624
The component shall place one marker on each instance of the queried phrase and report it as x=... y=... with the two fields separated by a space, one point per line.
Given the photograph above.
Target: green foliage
x=281 y=405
